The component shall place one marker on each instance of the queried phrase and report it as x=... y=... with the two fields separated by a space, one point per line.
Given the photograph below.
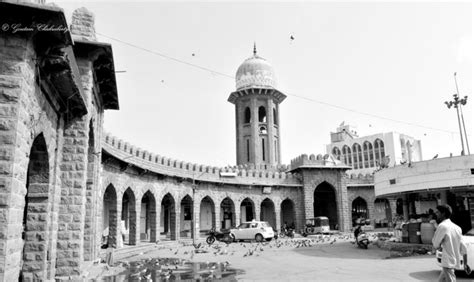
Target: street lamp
x=193 y=218
x=457 y=103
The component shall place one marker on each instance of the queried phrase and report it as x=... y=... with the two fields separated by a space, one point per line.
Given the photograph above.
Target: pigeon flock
x=185 y=260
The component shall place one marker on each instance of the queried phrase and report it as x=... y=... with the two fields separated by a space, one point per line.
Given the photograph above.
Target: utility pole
x=463 y=102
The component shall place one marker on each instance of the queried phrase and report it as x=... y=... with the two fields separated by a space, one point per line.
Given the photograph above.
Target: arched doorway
x=400 y=207
x=129 y=218
x=148 y=218
x=267 y=212
x=35 y=233
x=227 y=213
x=382 y=212
x=359 y=210
x=207 y=214
x=247 y=211
x=288 y=213
x=325 y=203
x=168 y=217
x=109 y=218
x=186 y=217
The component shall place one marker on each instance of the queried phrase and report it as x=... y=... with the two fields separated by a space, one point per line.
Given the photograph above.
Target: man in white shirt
x=448 y=236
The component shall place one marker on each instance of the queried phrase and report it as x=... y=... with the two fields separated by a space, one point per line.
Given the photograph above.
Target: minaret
x=257 y=112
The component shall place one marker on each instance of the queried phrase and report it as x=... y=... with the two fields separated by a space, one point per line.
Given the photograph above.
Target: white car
x=468 y=239
x=258 y=230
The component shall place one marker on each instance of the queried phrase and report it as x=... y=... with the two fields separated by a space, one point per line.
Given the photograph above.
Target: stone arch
x=207 y=214
x=262 y=114
x=247 y=210
x=267 y=212
x=288 y=213
x=168 y=216
x=109 y=218
x=129 y=217
x=247 y=115
x=35 y=234
x=399 y=207
x=336 y=152
x=325 y=203
x=359 y=209
x=228 y=219
x=148 y=228
x=186 y=216
x=382 y=212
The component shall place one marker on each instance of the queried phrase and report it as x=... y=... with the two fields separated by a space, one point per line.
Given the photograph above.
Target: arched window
x=367 y=150
x=262 y=114
x=371 y=154
x=247 y=115
x=275 y=118
x=346 y=152
x=336 y=152
x=357 y=153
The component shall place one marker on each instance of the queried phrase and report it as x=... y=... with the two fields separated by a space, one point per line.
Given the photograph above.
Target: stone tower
x=257 y=121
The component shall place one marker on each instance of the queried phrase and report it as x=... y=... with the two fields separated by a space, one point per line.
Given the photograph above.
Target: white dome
x=255 y=72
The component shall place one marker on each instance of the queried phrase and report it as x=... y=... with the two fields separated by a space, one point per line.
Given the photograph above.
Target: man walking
x=449 y=237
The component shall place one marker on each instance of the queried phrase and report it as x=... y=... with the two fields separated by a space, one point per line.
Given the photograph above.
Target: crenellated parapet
x=241 y=175
x=317 y=161
x=360 y=179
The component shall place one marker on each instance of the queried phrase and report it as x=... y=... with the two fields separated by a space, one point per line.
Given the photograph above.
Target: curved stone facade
x=67 y=188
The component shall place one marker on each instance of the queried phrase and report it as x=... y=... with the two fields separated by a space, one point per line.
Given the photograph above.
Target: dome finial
x=254 y=48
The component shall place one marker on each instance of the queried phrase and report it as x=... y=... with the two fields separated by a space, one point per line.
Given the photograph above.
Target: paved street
x=308 y=259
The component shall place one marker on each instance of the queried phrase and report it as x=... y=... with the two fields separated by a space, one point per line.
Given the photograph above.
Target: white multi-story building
x=366 y=154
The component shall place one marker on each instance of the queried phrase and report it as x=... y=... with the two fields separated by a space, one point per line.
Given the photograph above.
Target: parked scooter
x=219 y=236
x=361 y=237
x=287 y=232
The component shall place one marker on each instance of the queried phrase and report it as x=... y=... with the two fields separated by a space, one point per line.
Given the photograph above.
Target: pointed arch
x=109 y=218
x=262 y=114
x=148 y=228
x=186 y=217
x=35 y=233
x=288 y=214
x=168 y=217
x=247 y=115
x=129 y=217
x=247 y=210
x=359 y=209
x=267 y=212
x=207 y=214
x=227 y=213
x=325 y=203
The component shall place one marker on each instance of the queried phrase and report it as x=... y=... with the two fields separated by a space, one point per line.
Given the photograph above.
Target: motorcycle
x=288 y=232
x=219 y=236
x=362 y=239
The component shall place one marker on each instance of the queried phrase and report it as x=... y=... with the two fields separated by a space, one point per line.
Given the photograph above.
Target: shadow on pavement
x=431 y=275
x=344 y=250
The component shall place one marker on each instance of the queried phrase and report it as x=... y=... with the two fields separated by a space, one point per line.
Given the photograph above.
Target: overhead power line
x=289 y=94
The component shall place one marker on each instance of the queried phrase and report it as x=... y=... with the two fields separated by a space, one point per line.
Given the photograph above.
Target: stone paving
x=316 y=258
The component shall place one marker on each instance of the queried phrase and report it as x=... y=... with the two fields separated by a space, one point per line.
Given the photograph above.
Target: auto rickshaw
x=316 y=225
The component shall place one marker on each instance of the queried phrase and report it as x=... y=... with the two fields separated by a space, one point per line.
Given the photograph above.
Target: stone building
x=64 y=183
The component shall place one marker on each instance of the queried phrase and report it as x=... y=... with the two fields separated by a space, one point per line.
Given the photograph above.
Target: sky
x=379 y=66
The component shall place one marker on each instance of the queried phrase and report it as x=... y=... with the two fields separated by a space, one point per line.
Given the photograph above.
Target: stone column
x=197 y=219
x=175 y=216
x=405 y=208
x=134 y=231
x=155 y=215
x=257 y=211
x=393 y=210
x=237 y=216
x=278 y=217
